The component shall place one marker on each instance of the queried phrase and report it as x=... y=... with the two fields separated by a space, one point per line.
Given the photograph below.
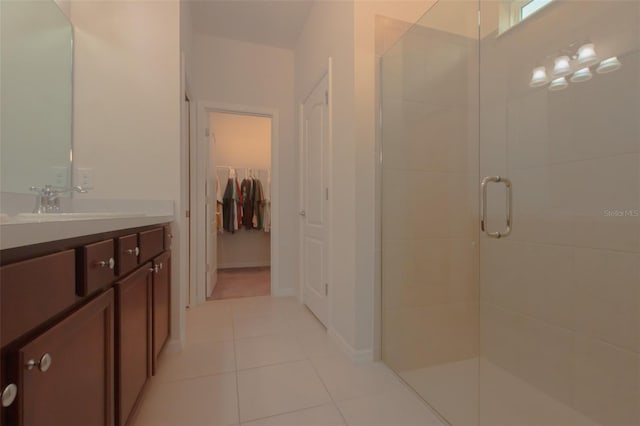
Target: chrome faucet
x=48 y=198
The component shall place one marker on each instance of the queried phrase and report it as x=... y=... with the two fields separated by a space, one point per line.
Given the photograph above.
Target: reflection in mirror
x=36 y=99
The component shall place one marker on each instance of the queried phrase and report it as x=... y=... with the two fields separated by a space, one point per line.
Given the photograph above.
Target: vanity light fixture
x=561 y=66
x=558 y=84
x=587 y=55
x=609 y=65
x=583 y=74
x=539 y=77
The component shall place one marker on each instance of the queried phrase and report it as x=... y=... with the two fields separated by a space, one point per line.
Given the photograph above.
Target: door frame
x=328 y=72
x=201 y=165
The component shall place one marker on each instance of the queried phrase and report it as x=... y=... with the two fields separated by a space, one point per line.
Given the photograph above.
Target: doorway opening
x=238 y=207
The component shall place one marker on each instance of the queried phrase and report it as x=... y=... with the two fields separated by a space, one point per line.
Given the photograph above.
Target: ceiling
x=272 y=22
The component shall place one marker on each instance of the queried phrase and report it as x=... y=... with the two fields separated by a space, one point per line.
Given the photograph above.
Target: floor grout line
x=335 y=403
x=235 y=363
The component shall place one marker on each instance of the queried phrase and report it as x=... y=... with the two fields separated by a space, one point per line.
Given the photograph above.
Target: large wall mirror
x=36 y=60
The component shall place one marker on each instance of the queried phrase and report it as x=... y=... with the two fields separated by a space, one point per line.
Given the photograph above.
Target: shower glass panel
x=429 y=91
x=560 y=296
x=540 y=326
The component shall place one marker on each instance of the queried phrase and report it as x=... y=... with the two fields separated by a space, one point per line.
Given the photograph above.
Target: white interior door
x=315 y=196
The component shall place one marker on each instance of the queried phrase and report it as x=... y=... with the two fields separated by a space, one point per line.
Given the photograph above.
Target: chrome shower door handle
x=483 y=209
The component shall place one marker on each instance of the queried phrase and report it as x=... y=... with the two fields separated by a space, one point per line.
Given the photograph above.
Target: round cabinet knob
x=135 y=251
x=9 y=394
x=111 y=263
x=44 y=364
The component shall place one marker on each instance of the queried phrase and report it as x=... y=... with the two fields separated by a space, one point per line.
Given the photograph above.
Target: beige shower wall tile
x=580 y=128
x=501 y=279
x=501 y=337
x=608 y=296
x=429 y=272
x=547 y=357
x=539 y=215
x=421 y=205
x=527 y=130
x=418 y=136
x=549 y=284
x=607 y=383
x=419 y=337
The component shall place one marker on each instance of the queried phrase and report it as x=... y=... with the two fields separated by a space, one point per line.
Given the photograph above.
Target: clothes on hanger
x=244 y=205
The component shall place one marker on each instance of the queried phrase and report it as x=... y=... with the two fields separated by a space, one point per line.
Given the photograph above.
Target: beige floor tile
x=301 y=320
x=208 y=331
x=210 y=400
x=345 y=379
x=277 y=389
x=254 y=306
x=325 y=415
x=318 y=344
x=266 y=350
x=262 y=325
x=396 y=408
x=196 y=360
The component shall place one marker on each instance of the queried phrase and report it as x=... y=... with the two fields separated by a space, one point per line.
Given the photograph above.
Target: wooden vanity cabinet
x=161 y=297
x=82 y=323
x=65 y=375
x=133 y=337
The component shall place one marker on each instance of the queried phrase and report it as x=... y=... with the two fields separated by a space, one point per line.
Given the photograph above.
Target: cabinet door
x=161 y=303
x=133 y=339
x=65 y=375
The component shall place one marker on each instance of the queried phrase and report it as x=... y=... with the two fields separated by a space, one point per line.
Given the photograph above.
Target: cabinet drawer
x=127 y=252
x=151 y=244
x=98 y=267
x=35 y=290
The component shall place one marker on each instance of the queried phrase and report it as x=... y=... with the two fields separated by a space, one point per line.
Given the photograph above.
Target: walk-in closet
x=239 y=205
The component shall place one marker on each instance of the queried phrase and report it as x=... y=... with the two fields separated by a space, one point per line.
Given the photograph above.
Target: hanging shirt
x=247 y=204
x=228 y=207
x=257 y=204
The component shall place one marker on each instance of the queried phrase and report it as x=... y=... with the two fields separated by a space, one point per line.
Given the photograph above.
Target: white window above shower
x=513 y=12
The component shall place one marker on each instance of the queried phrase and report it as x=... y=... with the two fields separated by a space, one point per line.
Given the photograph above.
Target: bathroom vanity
x=83 y=319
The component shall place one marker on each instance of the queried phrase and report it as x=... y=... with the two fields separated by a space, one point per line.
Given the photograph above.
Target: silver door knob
x=9 y=394
x=44 y=364
x=302 y=213
x=155 y=268
x=135 y=251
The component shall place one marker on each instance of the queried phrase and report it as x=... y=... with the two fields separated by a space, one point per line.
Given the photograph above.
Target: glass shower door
x=534 y=320
x=430 y=208
x=560 y=295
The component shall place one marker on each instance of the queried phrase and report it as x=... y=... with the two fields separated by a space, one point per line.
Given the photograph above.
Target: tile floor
x=264 y=361
x=242 y=282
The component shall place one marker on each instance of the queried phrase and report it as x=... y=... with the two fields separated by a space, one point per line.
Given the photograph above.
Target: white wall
x=241 y=73
x=346 y=32
x=329 y=33
x=127 y=107
x=242 y=141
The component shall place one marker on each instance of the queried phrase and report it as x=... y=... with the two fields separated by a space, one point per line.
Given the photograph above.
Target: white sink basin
x=54 y=217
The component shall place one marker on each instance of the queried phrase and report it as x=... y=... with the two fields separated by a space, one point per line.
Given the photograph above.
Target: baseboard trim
x=283 y=292
x=234 y=265
x=356 y=355
x=173 y=346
